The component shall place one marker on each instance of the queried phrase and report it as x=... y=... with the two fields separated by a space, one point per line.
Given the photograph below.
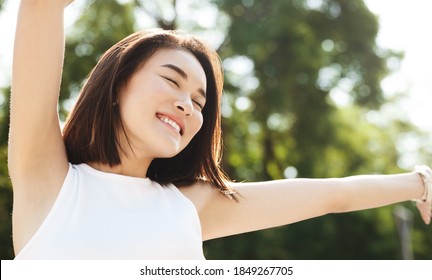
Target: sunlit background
x=404 y=26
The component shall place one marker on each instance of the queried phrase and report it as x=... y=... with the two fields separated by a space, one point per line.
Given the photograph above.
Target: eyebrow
x=183 y=75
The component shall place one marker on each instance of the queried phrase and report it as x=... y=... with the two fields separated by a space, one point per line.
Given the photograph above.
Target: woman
x=135 y=173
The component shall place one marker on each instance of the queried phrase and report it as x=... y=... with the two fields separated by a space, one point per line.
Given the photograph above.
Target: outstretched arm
x=269 y=204
x=37 y=159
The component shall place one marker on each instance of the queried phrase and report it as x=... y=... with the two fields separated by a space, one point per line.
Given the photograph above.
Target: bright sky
x=404 y=25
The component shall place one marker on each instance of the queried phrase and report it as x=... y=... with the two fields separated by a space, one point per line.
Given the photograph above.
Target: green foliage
x=101 y=25
x=4 y=115
x=6 y=251
x=301 y=54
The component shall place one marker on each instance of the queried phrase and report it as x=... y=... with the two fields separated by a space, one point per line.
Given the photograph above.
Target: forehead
x=183 y=60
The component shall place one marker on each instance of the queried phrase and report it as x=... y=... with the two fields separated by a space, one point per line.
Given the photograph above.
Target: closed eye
x=174 y=82
x=171 y=81
x=201 y=106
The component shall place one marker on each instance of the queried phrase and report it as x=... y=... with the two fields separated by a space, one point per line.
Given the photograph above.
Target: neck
x=133 y=168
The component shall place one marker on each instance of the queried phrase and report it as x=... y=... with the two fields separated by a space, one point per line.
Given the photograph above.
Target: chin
x=168 y=152
x=167 y=147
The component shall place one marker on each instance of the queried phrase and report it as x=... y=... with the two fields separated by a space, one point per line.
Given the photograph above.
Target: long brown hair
x=91 y=130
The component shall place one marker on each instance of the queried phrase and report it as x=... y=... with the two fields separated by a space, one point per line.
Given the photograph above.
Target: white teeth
x=171 y=123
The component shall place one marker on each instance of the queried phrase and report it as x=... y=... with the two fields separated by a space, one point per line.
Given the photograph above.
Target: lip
x=174 y=119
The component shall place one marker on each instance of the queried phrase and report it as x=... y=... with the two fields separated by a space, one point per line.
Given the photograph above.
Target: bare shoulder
x=202 y=194
x=34 y=196
x=214 y=208
x=37 y=176
x=199 y=193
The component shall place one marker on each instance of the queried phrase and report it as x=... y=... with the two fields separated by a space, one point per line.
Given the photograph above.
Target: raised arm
x=269 y=204
x=37 y=159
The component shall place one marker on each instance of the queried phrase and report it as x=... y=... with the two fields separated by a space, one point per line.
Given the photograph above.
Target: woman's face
x=161 y=104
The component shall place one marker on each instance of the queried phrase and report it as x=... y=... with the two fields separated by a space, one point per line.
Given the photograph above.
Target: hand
x=425 y=209
x=424 y=204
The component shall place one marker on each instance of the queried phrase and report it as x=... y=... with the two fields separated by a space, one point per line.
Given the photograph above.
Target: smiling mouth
x=170 y=122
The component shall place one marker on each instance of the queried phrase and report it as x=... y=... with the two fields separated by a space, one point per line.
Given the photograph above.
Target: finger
x=425 y=211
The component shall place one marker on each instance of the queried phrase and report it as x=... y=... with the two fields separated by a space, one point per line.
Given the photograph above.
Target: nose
x=185 y=106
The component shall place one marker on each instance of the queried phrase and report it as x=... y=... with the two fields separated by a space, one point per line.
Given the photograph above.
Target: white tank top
x=99 y=215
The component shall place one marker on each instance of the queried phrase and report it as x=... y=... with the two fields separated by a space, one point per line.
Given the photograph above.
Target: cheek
x=194 y=126
x=198 y=123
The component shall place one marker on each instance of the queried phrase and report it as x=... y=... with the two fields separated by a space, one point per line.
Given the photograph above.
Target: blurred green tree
x=6 y=251
x=100 y=25
x=288 y=63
